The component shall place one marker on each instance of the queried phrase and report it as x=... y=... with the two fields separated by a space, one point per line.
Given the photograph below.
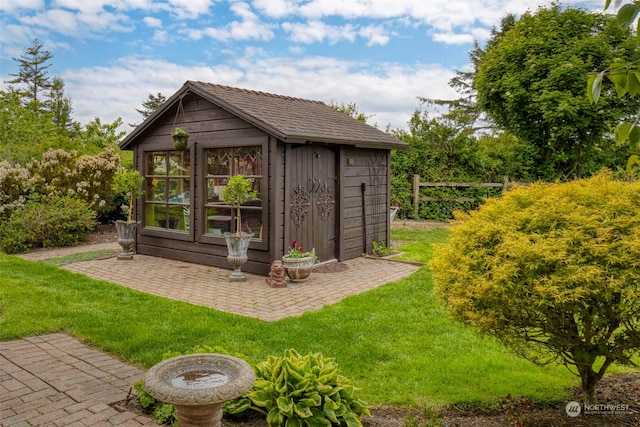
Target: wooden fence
x=417 y=184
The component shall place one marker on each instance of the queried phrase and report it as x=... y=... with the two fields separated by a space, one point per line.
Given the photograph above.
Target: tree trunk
x=589 y=378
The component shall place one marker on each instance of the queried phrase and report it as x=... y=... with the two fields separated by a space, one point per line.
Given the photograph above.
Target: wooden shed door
x=312 y=199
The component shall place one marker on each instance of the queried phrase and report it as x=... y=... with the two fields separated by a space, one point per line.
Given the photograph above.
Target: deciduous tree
x=626 y=80
x=553 y=271
x=531 y=81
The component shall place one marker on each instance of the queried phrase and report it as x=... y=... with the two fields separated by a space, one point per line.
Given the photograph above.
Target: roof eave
x=302 y=139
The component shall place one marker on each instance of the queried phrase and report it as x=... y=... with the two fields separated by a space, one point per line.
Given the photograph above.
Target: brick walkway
x=56 y=381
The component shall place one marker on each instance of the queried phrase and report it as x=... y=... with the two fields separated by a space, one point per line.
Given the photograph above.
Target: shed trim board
x=323 y=178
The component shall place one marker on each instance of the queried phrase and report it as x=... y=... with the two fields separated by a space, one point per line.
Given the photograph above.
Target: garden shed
x=321 y=177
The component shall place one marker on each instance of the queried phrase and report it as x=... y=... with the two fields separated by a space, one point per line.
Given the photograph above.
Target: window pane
x=178 y=218
x=155 y=189
x=219 y=161
x=179 y=190
x=219 y=220
x=156 y=164
x=214 y=190
x=154 y=213
x=256 y=186
x=248 y=161
x=252 y=222
x=179 y=163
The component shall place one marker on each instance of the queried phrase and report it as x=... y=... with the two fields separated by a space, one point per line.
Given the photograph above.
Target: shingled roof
x=293 y=120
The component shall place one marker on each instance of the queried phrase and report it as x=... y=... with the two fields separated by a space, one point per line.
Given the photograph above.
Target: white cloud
x=445 y=17
x=152 y=22
x=190 y=8
x=375 y=34
x=276 y=8
x=389 y=91
x=160 y=36
x=59 y=20
x=453 y=38
x=83 y=22
x=13 y=5
x=249 y=28
x=318 y=31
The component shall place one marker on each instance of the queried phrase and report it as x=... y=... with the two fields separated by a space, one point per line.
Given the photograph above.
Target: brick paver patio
x=56 y=381
x=210 y=286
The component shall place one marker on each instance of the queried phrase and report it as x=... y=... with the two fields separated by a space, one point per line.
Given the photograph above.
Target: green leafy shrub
x=443 y=210
x=296 y=390
x=552 y=270
x=54 y=221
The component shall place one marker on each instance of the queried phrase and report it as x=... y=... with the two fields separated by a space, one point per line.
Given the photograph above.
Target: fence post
x=505 y=186
x=416 y=195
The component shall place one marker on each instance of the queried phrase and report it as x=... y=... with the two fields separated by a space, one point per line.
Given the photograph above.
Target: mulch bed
x=331 y=267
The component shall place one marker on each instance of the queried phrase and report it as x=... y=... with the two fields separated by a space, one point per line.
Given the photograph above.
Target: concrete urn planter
x=237 y=245
x=298 y=269
x=126 y=238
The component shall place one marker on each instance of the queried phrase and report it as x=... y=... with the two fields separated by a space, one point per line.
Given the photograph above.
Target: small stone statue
x=276 y=275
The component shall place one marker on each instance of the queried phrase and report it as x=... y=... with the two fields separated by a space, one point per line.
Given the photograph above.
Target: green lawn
x=394 y=342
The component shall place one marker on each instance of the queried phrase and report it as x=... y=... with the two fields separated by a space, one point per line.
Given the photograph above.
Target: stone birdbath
x=198 y=385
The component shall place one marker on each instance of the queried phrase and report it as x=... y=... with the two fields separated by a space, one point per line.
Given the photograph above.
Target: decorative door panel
x=312 y=199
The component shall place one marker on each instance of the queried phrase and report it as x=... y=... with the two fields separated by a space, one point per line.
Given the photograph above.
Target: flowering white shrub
x=15 y=186
x=60 y=173
x=89 y=178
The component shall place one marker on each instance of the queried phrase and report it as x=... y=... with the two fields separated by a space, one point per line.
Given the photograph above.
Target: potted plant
x=129 y=184
x=180 y=138
x=298 y=264
x=237 y=192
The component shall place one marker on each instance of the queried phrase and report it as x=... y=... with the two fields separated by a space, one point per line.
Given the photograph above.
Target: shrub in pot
x=237 y=192
x=128 y=183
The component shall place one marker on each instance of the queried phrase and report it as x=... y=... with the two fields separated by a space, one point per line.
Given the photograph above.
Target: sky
x=382 y=55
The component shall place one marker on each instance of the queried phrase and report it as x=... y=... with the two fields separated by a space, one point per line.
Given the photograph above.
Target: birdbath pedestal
x=199 y=385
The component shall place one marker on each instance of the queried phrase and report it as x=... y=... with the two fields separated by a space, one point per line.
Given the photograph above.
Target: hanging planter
x=180 y=139
x=180 y=136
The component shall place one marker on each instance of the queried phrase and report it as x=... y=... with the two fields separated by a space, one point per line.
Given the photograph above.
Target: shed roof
x=293 y=120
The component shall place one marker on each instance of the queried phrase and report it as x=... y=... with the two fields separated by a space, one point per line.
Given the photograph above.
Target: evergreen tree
x=59 y=106
x=34 y=63
x=152 y=103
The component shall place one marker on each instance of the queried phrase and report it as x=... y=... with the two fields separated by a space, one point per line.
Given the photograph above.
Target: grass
x=417 y=246
x=394 y=342
x=79 y=257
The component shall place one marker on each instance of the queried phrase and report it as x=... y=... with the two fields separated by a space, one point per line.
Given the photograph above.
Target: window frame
x=174 y=234
x=208 y=238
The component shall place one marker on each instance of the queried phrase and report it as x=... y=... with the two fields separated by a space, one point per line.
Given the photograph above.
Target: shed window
x=222 y=163
x=167 y=183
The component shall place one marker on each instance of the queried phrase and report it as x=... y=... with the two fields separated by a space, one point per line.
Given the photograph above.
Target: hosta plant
x=298 y=391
